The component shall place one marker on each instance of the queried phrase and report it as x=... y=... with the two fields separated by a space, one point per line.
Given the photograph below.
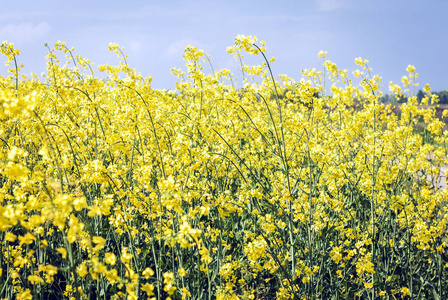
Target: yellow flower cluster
x=275 y=189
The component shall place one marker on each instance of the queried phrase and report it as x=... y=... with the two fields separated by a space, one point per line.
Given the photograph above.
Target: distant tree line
x=388 y=98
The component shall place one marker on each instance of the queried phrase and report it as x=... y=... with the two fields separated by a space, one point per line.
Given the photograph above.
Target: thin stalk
x=284 y=159
x=153 y=129
x=16 y=74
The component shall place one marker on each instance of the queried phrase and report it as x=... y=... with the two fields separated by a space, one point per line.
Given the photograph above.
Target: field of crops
x=268 y=188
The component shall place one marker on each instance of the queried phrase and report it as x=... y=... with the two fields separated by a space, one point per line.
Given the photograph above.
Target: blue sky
x=390 y=33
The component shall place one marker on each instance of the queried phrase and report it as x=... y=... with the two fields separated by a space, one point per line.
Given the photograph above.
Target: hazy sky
x=390 y=33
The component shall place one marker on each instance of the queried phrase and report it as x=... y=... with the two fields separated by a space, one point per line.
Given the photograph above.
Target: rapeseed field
x=269 y=188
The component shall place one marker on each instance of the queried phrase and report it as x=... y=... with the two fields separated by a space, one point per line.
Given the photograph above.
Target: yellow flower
x=10 y=237
x=359 y=61
x=15 y=274
x=25 y=295
x=63 y=252
x=322 y=54
x=28 y=239
x=148 y=272
x=94 y=211
x=168 y=277
x=410 y=69
x=405 y=291
x=110 y=258
x=185 y=293
x=100 y=241
x=34 y=279
x=126 y=257
x=82 y=270
x=80 y=203
x=112 y=276
x=182 y=272
x=148 y=288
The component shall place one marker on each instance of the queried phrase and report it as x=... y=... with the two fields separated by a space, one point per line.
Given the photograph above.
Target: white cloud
x=329 y=5
x=24 y=32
